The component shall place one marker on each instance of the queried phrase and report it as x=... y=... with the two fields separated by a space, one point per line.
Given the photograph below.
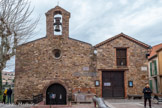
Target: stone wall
x=36 y=67
x=136 y=59
x=50 y=21
x=78 y=67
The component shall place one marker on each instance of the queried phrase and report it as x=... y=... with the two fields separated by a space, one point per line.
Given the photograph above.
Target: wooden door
x=112 y=84
x=56 y=95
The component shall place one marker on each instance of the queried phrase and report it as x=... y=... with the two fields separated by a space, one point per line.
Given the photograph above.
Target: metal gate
x=112 y=84
x=56 y=95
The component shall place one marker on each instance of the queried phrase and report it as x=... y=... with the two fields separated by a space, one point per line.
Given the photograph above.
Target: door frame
x=125 y=81
x=54 y=82
x=52 y=89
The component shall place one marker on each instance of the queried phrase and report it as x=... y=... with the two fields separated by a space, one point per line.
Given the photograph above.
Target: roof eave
x=125 y=36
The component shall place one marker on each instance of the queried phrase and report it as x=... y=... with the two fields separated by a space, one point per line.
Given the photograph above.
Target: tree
x=16 y=27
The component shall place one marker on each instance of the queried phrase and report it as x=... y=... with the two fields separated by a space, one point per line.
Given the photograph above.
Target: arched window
x=57 y=53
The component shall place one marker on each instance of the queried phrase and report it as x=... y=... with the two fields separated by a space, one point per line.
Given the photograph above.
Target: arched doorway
x=56 y=95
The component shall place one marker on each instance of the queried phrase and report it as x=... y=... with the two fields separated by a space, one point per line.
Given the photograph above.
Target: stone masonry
x=37 y=68
x=136 y=59
x=78 y=66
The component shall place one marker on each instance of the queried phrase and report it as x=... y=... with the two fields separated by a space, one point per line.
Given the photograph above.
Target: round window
x=57 y=53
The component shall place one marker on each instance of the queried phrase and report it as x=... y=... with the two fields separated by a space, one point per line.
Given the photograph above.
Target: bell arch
x=57 y=23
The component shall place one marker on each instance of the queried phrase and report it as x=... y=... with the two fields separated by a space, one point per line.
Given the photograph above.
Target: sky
x=94 y=21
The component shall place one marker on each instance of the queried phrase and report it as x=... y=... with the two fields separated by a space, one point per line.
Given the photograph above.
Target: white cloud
x=131 y=21
x=147 y=17
x=123 y=2
x=138 y=4
x=86 y=13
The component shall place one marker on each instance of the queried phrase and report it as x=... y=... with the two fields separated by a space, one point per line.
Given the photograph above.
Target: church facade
x=58 y=64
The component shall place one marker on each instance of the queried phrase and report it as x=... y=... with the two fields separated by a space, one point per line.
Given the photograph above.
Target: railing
x=37 y=98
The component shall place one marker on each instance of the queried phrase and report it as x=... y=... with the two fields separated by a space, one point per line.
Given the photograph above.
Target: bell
x=57 y=24
x=57 y=28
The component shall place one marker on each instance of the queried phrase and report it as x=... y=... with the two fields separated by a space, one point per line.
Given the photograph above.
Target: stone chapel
x=60 y=66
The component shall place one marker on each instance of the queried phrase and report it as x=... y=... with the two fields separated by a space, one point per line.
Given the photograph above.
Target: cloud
x=138 y=20
x=123 y=2
x=94 y=21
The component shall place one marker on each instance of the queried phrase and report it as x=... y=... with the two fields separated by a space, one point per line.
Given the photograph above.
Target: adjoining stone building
x=61 y=65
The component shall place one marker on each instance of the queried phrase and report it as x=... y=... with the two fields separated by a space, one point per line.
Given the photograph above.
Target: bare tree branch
x=16 y=26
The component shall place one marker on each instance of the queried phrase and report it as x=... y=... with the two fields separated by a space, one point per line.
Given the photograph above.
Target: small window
x=57 y=53
x=121 y=57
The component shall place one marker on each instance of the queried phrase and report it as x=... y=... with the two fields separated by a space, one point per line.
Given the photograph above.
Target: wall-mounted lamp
x=95 y=51
x=97 y=83
x=130 y=83
x=148 y=52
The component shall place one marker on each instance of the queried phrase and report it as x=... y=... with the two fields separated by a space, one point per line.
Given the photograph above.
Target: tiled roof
x=125 y=36
x=154 y=49
x=160 y=49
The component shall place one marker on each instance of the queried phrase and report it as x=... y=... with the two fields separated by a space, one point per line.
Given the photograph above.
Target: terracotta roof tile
x=158 y=50
x=154 y=49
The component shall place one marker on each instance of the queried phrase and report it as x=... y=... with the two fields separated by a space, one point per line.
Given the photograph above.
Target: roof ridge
x=137 y=40
x=56 y=8
x=79 y=41
x=125 y=36
x=157 y=45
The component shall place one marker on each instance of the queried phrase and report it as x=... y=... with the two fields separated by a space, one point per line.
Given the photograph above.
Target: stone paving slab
x=14 y=106
x=125 y=103
x=83 y=106
x=46 y=106
x=132 y=105
x=73 y=106
x=116 y=103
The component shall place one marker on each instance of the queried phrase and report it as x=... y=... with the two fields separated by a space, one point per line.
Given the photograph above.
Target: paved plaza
x=125 y=103
x=14 y=106
x=112 y=103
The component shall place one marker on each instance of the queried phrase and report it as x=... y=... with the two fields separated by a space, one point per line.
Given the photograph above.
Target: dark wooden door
x=56 y=95
x=112 y=84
